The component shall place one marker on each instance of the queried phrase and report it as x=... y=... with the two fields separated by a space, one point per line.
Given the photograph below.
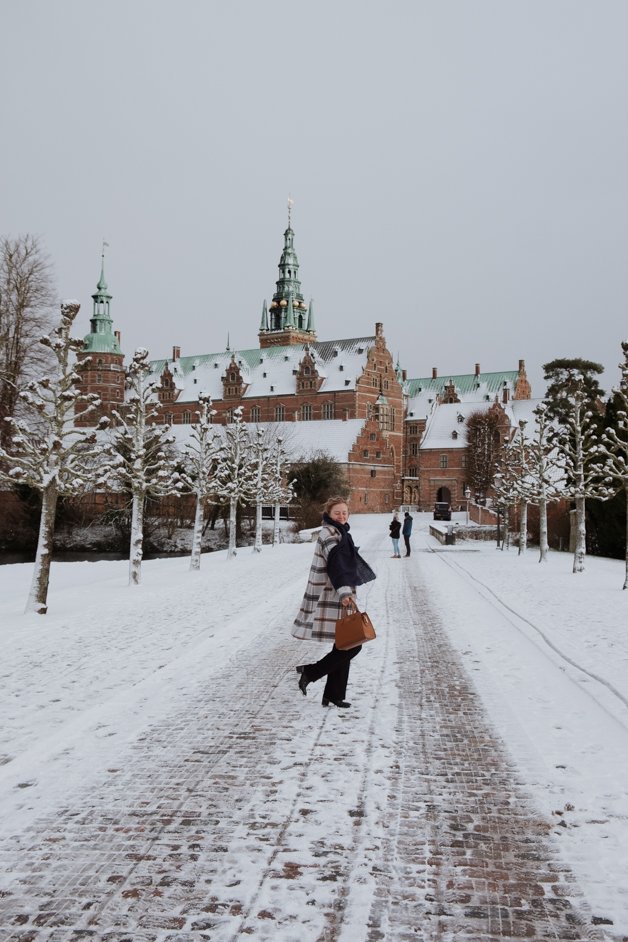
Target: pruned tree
x=506 y=487
x=47 y=451
x=143 y=460
x=281 y=490
x=577 y=442
x=203 y=455
x=613 y=446
x=235 y=474
x=26 y=313
x=544 y=475
x=262 y=481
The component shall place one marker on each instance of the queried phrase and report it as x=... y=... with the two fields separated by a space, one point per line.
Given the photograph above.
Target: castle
x=399 y=440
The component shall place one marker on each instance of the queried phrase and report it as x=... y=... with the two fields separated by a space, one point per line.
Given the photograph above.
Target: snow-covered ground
x=547 y=651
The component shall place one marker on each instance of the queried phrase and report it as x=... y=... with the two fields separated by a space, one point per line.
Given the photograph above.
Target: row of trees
x=577 y=451
x=136 y=455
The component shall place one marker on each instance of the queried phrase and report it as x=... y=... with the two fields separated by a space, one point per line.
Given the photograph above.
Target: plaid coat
x=321 y=608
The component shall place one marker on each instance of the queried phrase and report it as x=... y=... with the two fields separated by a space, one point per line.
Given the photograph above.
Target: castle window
x=372 y=436
x=463 y=461
x=378 y=454
x=280 y=413
x=306 y=412
x=255 y=414
x=414 y=448
x=232 y=377
x=187 y=418
x=169 y=418
x=328 y=410
x=99 y=377
x=306 y=371
x=411 y=472
x=365 y=453
x=373 y=473
x=444 y=461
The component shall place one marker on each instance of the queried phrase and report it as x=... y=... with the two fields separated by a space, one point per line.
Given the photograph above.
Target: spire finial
x=228 y=345
x=105 y=245
x=290 y=205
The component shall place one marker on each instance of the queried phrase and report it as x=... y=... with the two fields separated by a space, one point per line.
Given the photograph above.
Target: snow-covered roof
x=335 y=437
x=446 y=423
x=269 y=371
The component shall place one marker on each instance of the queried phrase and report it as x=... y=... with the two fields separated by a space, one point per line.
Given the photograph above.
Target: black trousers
x=406 y=540
x=336 y=665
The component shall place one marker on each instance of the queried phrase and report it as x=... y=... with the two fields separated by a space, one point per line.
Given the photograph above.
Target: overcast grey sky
x=459 y=169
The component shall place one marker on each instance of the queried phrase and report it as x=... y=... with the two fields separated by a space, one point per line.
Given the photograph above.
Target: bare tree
x=49 y=453
x=26 y=313
x=483 y=446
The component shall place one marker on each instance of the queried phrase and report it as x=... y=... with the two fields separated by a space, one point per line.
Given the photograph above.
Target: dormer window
x=233 y=377
x=454 y=434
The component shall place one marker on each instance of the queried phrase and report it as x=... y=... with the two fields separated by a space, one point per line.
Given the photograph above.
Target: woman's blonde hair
x=332 y=501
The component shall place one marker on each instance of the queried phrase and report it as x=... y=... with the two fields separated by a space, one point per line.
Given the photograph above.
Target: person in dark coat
x=395 y=530
x=406 y=531
x=337 y=568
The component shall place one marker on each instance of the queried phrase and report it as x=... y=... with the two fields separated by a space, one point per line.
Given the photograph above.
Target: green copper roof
x=465 y=383
x=101 y=338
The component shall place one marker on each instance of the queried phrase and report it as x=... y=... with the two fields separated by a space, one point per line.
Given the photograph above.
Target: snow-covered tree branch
x=613 y=446
x=144 y=464
x=202 y=458
x=47 y=451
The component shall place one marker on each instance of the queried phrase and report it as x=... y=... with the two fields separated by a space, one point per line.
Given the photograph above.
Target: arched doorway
x=443 y=494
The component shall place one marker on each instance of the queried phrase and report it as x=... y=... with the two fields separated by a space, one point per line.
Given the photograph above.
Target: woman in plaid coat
x=336 y=570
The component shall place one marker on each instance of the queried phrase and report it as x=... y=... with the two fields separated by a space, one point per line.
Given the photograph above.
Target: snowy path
x=217 y=803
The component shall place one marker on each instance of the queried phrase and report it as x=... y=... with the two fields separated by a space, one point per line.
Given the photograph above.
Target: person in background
x=407 y=531
x=337 y=568
x=395 y=530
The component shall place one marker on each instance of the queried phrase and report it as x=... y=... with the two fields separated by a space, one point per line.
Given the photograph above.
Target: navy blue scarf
x=345 y=566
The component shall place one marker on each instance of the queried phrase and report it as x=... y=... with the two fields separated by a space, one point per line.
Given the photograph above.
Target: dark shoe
x=336 y=703
x=304 y=680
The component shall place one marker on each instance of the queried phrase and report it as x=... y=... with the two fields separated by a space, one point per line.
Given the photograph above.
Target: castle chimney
x=379 y=329
x=176 y=353
x=477 y=369
x=434 y=373
x=404 y=375
x=522 y=366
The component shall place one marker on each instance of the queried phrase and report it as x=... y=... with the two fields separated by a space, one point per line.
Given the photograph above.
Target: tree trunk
x=137 y=539
x=543 y=544
x=38 y=596
x=233 y=509
x=581 y=536
x=276 y=524
x=523 y=526
x=257 y=548
x=195 y=558
x=625 y=585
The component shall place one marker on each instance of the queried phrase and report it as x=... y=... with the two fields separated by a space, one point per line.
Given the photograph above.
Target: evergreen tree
x=315 y=478
x=143 y=462
x=565 y=376
x=613 y=446
x=48 y=452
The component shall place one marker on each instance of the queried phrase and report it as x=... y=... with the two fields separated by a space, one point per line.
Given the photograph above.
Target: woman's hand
x=349 y=600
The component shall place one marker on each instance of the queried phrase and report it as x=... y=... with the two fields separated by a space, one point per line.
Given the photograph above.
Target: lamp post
x=499 y=535
x=467 y=495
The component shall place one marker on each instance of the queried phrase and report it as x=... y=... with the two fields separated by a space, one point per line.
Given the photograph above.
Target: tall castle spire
x=287 y=319
x=101 y=338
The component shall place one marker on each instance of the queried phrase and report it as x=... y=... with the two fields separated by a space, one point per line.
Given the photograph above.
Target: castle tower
x=101 y=362
x=288 y=319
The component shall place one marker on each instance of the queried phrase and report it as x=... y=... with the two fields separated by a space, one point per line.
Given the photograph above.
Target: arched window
x=255 y=413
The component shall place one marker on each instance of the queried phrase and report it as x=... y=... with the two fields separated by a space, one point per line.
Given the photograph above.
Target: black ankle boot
x=336 y=703
x=304 y=680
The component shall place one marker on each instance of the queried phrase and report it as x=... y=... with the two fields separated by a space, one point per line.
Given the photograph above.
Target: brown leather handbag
x=353 y=630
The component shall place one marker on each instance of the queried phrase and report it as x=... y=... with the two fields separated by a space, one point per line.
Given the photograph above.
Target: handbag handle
x=350 y=608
